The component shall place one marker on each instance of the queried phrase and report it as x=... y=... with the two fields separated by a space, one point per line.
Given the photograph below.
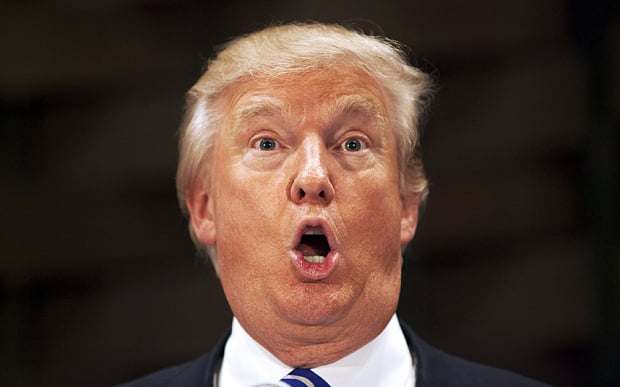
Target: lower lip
x=314 y=271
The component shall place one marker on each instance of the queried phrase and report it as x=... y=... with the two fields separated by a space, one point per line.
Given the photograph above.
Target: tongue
x=313 y=245
x=307 y=250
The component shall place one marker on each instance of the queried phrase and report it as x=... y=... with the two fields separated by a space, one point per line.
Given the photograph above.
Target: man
x=301 y=173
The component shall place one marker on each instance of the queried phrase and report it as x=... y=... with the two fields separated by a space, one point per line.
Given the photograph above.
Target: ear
x=202 y=221
x=409 y=218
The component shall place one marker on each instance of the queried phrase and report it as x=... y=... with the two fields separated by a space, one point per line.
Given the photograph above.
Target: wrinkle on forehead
x=264 y=106
x=298 y=98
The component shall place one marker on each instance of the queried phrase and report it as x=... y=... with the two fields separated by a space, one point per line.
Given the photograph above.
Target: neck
x=315 y=346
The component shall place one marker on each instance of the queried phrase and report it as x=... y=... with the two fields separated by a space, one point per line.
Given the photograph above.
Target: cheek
x=248 y=214
x=375 y=220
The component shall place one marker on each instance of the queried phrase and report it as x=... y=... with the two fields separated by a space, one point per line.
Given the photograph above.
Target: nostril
x=311 y=192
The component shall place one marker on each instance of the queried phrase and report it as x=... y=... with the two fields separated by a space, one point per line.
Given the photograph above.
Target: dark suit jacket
x=434 y=368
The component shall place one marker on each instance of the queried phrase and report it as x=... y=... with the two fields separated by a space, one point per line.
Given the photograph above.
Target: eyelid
x=364 y=141
x=256 y=141
x=266 y=134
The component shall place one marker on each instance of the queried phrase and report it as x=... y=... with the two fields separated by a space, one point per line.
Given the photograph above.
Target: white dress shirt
x=385 y=361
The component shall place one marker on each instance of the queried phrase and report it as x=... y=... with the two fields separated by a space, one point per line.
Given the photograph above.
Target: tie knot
x=304 y=377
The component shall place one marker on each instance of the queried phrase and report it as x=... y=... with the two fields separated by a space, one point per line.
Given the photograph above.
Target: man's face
x=303 y=205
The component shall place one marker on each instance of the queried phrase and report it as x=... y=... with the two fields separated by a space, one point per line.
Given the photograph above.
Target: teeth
x=314 y=231
x=314 y=258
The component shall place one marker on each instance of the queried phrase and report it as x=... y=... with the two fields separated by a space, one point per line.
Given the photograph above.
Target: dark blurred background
x=516 y=263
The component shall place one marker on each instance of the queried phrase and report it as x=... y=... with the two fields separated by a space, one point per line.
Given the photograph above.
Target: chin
x=317 y=305
x=314 y=318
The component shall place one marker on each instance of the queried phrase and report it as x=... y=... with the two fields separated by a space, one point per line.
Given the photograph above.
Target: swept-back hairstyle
x=299 y=48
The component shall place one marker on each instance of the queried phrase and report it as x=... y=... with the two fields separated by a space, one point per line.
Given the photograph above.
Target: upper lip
x=314 y=225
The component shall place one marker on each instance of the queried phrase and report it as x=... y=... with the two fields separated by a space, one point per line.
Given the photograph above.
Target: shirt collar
x=385 y=361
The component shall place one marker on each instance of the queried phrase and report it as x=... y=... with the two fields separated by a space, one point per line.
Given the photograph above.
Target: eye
x=353 y=145
x=267 y=144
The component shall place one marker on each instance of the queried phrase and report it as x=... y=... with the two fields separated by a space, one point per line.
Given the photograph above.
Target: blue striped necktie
x=304 y=377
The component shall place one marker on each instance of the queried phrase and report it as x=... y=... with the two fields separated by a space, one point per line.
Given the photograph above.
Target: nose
x=311 y=182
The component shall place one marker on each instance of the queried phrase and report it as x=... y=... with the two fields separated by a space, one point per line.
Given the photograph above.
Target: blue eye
x=352 y=145
x=267 y=144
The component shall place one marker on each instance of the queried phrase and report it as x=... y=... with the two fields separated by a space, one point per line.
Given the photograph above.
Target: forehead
x=324 y=93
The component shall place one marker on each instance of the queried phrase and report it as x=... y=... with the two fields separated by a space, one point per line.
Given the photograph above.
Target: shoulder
x=437 y=368
x=192 y=373
x=198 y=372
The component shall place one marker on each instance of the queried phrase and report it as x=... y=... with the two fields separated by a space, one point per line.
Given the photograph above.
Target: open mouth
x=314 y=245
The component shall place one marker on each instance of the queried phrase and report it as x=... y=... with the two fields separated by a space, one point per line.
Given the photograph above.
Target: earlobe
x=409 y=218
x=202 y=221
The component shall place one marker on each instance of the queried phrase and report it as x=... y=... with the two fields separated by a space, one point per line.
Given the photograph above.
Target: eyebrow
x=260 y=107
x=353 y=104
x=358 y=104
